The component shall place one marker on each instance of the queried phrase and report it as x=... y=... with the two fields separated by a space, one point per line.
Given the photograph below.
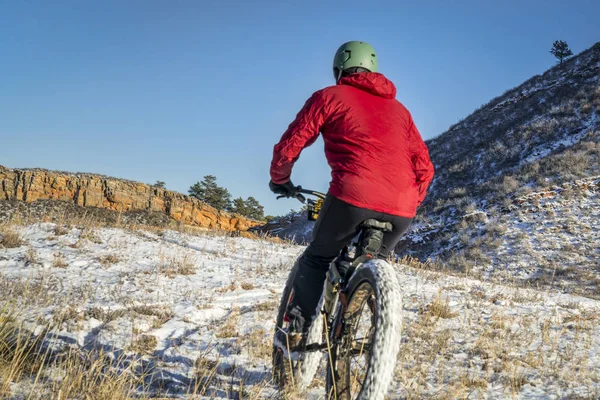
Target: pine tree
x=239 y=207
x=159 y=184
x=560 y=50
x=197 y=190
x=221 y=199
x=212 y=194
x=249 y=208
x=255 y=209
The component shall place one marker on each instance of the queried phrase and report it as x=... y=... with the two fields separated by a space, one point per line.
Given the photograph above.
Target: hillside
x=40 y=193
x=516 y=191
x=516 y=195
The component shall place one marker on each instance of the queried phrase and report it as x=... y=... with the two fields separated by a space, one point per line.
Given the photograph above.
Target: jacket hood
x=371 y=82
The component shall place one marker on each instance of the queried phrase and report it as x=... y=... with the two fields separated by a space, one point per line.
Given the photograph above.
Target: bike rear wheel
x=294 y=376
x=363 y=357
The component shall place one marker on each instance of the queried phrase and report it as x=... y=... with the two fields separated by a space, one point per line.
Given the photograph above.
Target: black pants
x=337 y=224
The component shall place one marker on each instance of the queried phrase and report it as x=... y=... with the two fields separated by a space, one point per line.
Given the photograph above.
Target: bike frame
x=335 y=303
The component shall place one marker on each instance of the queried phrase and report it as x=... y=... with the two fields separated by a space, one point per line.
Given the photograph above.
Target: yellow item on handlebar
x=314 y=208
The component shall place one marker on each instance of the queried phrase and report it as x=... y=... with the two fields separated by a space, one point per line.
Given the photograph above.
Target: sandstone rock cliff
x=89 y=190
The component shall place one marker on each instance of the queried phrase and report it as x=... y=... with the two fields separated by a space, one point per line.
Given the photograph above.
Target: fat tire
x=386 y=337
x=305 y=370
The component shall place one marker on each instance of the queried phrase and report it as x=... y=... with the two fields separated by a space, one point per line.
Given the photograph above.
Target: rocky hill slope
x=516 y=189
x=119 y=196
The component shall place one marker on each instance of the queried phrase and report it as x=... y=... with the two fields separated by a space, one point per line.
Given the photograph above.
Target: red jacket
x=377 y=156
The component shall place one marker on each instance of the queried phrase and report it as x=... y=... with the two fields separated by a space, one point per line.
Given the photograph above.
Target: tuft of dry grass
x=440 y=341
x=186 y=269
x=105 y=315
x=90 y=233
x=59 y=261
x=440 y=308
x=144 y=344
x=230 y=328
x=177 y=266
x=205 y=373
x=67 y=313
x=109 y=260
x=474 y=382
x=515 y=379
x=413 y=262
x=61 y=230
x=31 y=256
x=258 y=345
x=9 y=238
x=269 y=305
x=229 y=288
x=247 y=285
x=163 y=315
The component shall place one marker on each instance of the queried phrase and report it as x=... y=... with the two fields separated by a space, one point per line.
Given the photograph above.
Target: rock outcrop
x=89 y=190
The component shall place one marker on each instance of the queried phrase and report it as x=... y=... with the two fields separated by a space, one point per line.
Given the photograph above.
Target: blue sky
x=175 y=90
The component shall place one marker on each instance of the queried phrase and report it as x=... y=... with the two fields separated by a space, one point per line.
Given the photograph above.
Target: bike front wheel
x=367 y=336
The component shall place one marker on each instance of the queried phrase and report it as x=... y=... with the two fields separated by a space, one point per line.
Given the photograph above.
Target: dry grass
x=205 y=373
x=474 y=382
x=267 y=306
x=105 y=315
x=215 y=379
x=247 y=285
x=31 y=256
x=144 y=344
x=229 y=288
x=177 y=266
x=504 y=347
x=515 y=379
x=162 y=315
x=67 y=313
x=82 y=376
x=258 y=344
x=109 y=260
x=9 y=238
x=90 y=233
x=230 y=328
x=61 y=230
x=59 y=261
x=412 y=262
x=440 y=308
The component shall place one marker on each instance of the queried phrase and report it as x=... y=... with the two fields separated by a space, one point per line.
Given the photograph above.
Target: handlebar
x=298 y=194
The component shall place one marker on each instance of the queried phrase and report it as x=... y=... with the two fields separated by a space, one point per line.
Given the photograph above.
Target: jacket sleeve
x=301 y=133
x=423 y=167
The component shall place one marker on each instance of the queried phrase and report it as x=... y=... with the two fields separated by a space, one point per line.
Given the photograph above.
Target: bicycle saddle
x=379 y=225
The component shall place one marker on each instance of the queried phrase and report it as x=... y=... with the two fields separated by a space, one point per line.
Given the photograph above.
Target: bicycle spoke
x=360 y=348
x=354 y=357
x=357 y=373
x=363 y=347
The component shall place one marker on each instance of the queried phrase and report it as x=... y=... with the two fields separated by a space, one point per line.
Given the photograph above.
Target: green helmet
x=353 y=55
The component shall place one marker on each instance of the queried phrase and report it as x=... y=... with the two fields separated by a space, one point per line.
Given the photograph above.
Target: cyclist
x=380 y=169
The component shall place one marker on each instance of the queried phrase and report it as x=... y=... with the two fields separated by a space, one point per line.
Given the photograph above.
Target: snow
x=184 y=290
x=545 y=149
x=548 y=227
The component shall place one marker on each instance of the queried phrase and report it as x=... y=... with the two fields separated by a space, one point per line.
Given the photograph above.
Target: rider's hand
x=286 y=189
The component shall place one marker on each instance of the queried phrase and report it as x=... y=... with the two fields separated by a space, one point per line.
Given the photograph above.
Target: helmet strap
x=337 y=74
